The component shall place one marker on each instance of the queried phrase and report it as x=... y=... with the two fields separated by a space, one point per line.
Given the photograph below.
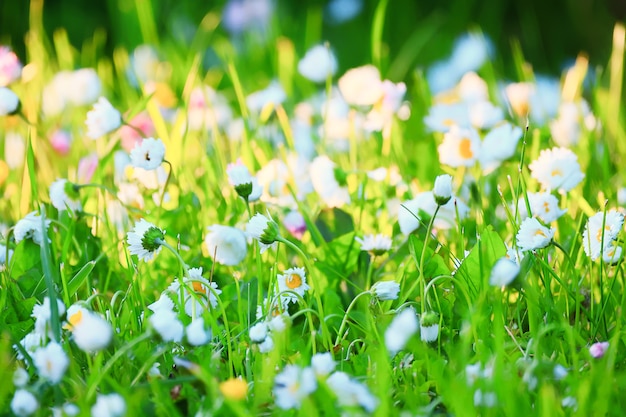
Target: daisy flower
x=503 y=272
x=145 y=240
x=596 y=239
x=51 y=362
x=350 y=392
x=402 y=327
x=293 y=385
x=361 y=86
x=429 y=327
x=197 y=335
x=148 y=154
x=460 y=147
x=375 y=244
x=264 y=230
x=9 y=102
x=90 y=331
x=410 y=213
x=612 y=254
x=498 y=145
x=31 y=227
x=24 y=403
x=544 y=206
x=443 y=116
x=110 y=405
x=102 y=119
x=557 y=169
x=246 y=185
x=203 y=289
x=166 y=324
x=318 y=64
x=64 y=194
x=323 y=364
x=293 y=280
x=442 y=190
x=329 y=182
x=227 y=245
x=533 y=235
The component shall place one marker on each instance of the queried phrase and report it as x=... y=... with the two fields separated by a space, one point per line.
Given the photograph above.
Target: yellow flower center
x=74 y=320
x=197 y=286
x=293 y=281
x=465 y=148
x=540 y=233
x=556 y=172
x=449 y=122
x=599 y=234
x=234 y=389
x=546 y=207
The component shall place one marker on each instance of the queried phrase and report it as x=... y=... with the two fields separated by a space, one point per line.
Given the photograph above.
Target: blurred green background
x=550 y=33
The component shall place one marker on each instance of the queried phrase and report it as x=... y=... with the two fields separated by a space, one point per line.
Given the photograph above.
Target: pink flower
x=10 y=66
x=61 y=141
x=131 y=137
x=597 y=350
x=294 y=223
x=86 y=167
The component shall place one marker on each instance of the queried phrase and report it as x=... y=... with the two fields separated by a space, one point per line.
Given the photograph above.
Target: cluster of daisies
x=474 y=138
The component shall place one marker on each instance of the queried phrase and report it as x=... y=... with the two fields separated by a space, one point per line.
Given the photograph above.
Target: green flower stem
x=316 y=291
x=345 y=316
x=184 y=271
x=423 y=257
x=167 y=182
x=370 y=272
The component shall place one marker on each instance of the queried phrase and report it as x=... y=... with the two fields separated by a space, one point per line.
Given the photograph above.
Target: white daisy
x=503 y=272
x=442 y=190
x=533 y=235
x=102 y=119
x=597 y=240
x=385 y=290
x=460 y=147
x=148 y=154
x=410 y=213
x=9 y=102
x=361 y=86
x=323 y=364
x=402 y=327
x=557 y=169
x=292 y=280
x=145 y=240
x=350 y=392
x=318 y=64
x=31 y=227
x=375 y=244
x=329 y=182
x=429 y=327
x=293 y=385
x=51 y=362
x=264 y=230
x=110 y=405
x=197 y=335
x=543 y=205
x=24 y=403
x=167 y=325
x=443 y=116
x=64 y=194
x=226 y=245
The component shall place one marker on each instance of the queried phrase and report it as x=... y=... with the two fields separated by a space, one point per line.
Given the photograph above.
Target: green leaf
x=434 y=265
x=476 y=267
x=77 y=280
x=333 y=223
x=337 y=260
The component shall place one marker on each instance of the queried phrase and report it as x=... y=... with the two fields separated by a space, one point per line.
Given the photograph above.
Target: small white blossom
x=24 y=403
x=145 y=240
x=503 y=272
x=227 y=245
x=533 y=235
x=293 y=385
x=102 y=119
x=51 y=362
x=402 y=327
x=148 y=154
x=110 y=405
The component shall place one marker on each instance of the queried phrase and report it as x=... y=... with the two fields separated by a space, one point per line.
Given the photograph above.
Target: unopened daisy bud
x=102 y=119
x=385 y=290
x=145 y=240
x=504 y=272
x=234 y=389
x=148 y=154
x=597 y=350
x=239 y=177
x=9 y=102
x=442 y=191
x=263 y=229
x=429 y=326
x=24 y=403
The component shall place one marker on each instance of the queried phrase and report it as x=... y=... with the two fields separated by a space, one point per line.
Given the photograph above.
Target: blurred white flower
x=410 y=213
x=429 y=327
x=295 y=224
x=197 y=335
x=51 y=362
x=318 y=64
x=292 y=385
x=84 y=87
x=557 y=169
x=361 y=86
x=14 y=149
x=110 y=405
x=9 y=102
x=323 y=364
x=31 y=227
x=203 y=296
x=503 y=272
x=460 y=147
x=264 y=230
x=208 y=110
x=533 y=235
x=247 y=15
x=42 y=313
x=498 y=145
x=273 y=95
x=340 y=11
x=167 y=325
x=148 y=155
x=24 y=403
x=64 y=194
x=90 y=331
x=350 y=392
x=329 y=182
x=258 y=332
x=266 y=345
x=402 y=328
x=612 y=254
x=102 y=119
x=20 y=377
x=87 y=167
x=226 y=245
x=484 y=114
x=442 y=117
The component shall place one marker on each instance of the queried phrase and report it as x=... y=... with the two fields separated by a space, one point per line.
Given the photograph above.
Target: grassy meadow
x=235 y=222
